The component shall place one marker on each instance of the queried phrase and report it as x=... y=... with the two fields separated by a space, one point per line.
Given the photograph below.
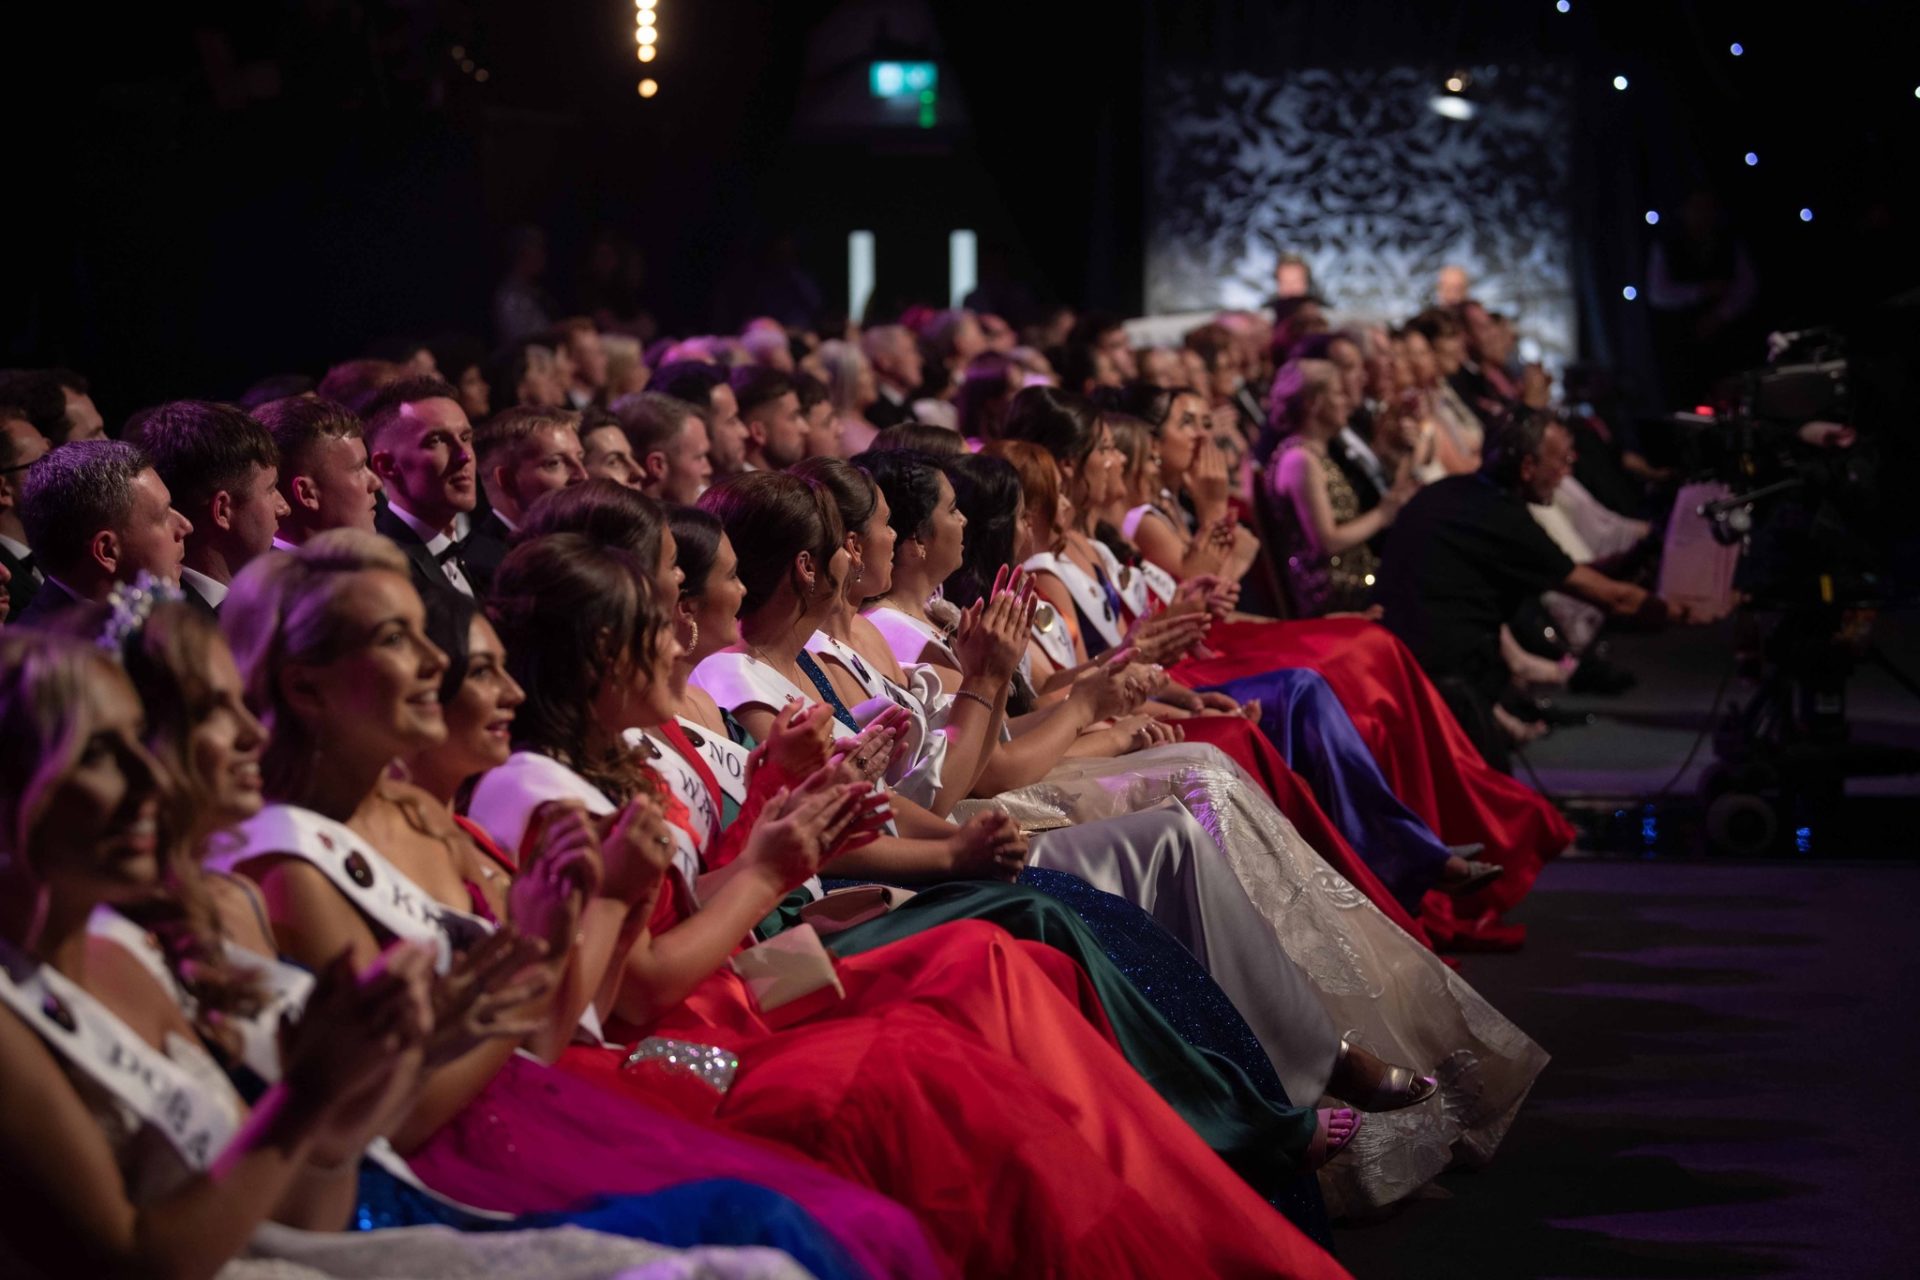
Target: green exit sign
x=903 y=79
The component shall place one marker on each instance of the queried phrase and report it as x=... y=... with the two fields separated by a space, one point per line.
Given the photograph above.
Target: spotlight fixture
x=1736 y=48
x=1620 y=82
x=1629 y=293
x=1564 y=6
x=1752 y=158
x=1458 y=82
x=1806 y=215
x=1653 y=217
x=646 y=39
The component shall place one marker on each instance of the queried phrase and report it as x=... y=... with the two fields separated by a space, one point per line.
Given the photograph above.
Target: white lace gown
x=1383 y=990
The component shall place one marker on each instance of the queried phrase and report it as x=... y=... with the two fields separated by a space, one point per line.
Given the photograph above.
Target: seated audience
x=223 y=470
x=705 y=387
x=626 y=371
x=1329 y=566
x=463 y=362
x=324 y=478
x=524 y=373
x=58 y=402
x=667 y=437
x=21 y=445
x=604 y=449
x=770 y=408
x=586 y=359
x=817 y=416
x=1435 y=361
x=898 y=372
x=355 y=383
x=852 y=389
x=420 y=445
x=97 y=514
x=522 y=454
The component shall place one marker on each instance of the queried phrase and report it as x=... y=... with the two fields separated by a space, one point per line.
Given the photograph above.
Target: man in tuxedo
x=223 y=470
x=420 y=445
x=770 y=407
x=96 y=513
x=324 y=476
x=523 y=454
x=705 y=387
x=898 y=371
x=668 y=439
x=21 y=445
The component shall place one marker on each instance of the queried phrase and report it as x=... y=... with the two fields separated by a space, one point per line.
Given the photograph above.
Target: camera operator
x=1465 y=555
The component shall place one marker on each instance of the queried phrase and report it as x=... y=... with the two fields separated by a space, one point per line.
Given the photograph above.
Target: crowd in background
x=965 y=795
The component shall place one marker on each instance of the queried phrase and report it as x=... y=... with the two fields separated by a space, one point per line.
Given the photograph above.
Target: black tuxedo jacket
x=486 y=546
x=47 y=603
x=884 y=413
x=426 y=571
x=21 y=590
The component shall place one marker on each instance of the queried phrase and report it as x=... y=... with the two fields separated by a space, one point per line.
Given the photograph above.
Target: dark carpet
x=1732 y=1093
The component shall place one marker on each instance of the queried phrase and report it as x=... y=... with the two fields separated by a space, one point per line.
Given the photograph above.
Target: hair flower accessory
x=132 y=604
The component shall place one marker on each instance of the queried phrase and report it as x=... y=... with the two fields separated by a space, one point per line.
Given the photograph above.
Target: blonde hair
x=623 y=356
x=282 y=610
x=46 y=709
x=843 y=363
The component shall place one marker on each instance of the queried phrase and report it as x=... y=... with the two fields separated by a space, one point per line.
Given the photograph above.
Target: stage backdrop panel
x=1355 y=171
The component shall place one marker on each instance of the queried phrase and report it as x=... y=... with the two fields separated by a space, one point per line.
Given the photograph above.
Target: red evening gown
x=1422 y=751
x=973 y=1078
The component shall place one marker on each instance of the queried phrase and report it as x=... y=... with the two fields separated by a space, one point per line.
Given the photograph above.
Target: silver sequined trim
x=713 y=1067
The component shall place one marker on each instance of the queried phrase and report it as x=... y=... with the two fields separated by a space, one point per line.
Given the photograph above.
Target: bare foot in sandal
x=1337 y=1127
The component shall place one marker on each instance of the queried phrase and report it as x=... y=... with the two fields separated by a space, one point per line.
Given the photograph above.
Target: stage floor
x=1731 y=1092
x=1637 y=751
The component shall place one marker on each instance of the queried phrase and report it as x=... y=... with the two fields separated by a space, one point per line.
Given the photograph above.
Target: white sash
x=1095 y=609
x=926 y=750
x=1138 y=588
x=736 y=680
x=683 y=781
x=727 y=758
x=87 y=1035
x=910 y=638
x=363 y=877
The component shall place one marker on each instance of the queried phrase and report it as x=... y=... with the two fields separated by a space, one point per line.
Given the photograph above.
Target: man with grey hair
x=96 y=513
x=1464 y=555
x=898 y=372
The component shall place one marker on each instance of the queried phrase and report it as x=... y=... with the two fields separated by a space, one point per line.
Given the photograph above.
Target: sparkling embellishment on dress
x=712 y=1067
x=358 y=871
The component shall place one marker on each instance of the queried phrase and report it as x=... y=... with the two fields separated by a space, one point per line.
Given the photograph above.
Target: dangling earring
x=693 y=635
x=857 y=571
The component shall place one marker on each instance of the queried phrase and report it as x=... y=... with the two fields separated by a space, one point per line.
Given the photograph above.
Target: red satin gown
x=1423 y=753
x=973 y=1078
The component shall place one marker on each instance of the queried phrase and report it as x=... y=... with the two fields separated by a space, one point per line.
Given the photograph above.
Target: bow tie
x=454 y=550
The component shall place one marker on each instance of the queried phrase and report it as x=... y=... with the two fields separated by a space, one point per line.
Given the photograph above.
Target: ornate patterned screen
x=1355 y=171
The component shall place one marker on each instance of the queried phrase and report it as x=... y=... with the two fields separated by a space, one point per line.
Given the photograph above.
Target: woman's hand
x=636 y=848
x=357 y=1030
x=874 y=751
x=798 y=743
x=1207 y=481
x=1166 y=637
x=546 y=898
x=1108 y=689
x=493 y=990
x=797 y=827
x=989 y=846
x=993 y=632
x=1138 y=732
x=1224 y=705
x=1211 y=548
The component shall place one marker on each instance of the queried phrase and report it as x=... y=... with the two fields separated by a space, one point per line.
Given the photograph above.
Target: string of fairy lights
x=646 y=39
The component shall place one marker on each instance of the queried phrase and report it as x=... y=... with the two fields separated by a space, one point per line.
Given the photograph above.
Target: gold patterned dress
x=1324 y=584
